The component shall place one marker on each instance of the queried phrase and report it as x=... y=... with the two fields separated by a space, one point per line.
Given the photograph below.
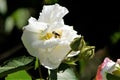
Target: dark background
x=93 y=23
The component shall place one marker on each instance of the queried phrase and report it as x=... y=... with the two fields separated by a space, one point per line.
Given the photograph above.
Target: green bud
x=87 y=52
x=82 y=43
x=78 y=43
x=75 y=44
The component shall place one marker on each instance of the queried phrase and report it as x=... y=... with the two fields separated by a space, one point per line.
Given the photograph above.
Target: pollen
x=53 y=34
x=49 y=35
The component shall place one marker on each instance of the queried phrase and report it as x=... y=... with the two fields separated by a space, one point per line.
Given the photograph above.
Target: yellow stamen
x=48 y=35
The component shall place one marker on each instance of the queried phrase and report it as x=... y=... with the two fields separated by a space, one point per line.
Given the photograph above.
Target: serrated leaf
x=19 y=75
x=112 y=77
x=16 y=64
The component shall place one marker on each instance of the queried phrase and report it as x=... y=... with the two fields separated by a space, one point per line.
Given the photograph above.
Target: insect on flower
x=57 y=35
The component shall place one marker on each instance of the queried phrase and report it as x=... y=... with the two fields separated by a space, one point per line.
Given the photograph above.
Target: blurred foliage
x=18 y=18
x=3 y=6
x=115 y=37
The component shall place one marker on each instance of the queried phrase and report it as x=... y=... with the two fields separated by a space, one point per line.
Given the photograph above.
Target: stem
x=39 y=69
x=53 y=74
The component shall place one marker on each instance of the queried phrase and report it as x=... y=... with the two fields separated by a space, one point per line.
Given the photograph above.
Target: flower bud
x=77 y=44
x=87 y=52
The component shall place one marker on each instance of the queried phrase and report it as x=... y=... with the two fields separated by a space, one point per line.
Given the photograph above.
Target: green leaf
x=112 y=77
x=68 y=74
x=16 y=64
x=19 y=75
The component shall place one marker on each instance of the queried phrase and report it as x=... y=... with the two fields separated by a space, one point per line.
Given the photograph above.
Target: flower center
x=49 y=35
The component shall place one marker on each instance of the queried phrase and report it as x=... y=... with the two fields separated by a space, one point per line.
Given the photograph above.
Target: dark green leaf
x=16 y=64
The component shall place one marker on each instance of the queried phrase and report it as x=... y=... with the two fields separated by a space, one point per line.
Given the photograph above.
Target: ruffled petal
x=35 y=26
x=69 y=32
x=52 y=13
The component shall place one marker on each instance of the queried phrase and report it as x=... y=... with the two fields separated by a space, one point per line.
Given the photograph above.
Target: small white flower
x=48 y=38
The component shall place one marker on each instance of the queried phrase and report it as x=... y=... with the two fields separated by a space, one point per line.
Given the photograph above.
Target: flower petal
x=45 y=44
x=103 y=68
x=52 y=59
x=69 y=32
x=28 y=38
x=35 y=26
x=52 y=13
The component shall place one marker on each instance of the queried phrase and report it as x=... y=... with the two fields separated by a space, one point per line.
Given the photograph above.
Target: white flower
x=48 y=38
x=108 y=66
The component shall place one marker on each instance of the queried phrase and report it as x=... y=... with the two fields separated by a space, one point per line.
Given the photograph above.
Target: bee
x=57 y=35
